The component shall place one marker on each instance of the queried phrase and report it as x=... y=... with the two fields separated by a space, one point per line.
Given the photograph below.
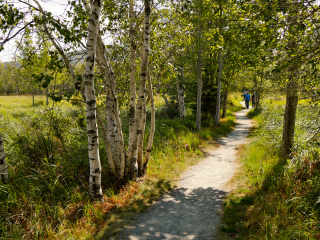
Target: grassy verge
x=272 y=199
x=46 y=150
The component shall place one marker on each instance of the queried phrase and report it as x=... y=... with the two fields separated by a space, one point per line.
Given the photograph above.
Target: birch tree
x=92 y=128
x=122 y=159
x=133 y=145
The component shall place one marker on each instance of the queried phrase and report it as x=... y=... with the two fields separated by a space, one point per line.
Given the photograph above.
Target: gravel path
x=193 y=209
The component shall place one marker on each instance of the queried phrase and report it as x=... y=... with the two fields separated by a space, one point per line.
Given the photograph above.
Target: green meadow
x=275 y=198
x=46 y=149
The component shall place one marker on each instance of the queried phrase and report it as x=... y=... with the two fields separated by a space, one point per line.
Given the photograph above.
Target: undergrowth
x=46 y=150
x=272 y=199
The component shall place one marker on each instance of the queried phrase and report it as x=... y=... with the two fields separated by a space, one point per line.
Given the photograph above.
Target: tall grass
x=277 y=200
x=46 y=150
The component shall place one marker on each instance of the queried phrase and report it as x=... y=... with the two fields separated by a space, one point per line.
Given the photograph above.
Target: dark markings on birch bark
x=97 y=2
x=95 y=16
x=92 y=117
x=92 y=132
x=91 y=102
x=132 y=111
x=97 y=170
x=90 y=59
x=2 y=161
x=78 y=85
x=139 y=131
x=90 y=76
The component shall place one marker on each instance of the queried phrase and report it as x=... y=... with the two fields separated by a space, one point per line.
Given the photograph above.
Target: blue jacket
x=248 y=97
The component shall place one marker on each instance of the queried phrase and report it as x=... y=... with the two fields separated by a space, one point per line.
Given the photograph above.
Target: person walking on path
x=247 y=99
x=253 y=100
x=244 y=95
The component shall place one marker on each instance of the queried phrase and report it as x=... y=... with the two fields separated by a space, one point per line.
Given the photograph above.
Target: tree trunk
x=114 y=127
x=225 y=101
x=141 y=140
x=3 y=164
x=152 y=128
x=166 y=101
x=217 y=117
x=289 y=115
x=95 y=190
x=132 y=79
x=133 y=146
x=181 y=103
x=199 y=72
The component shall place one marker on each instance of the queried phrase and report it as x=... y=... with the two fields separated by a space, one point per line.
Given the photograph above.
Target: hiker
x=253 y=100
x=247 y=99
x=244 y=95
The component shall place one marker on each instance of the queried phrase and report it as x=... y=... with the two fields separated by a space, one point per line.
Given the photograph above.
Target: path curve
x=193 y=209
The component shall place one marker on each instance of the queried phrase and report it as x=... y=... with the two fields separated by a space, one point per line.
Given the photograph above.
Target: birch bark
x=152 y=128
x=141 y=140
x=133 y=146
x=95 y=190
x=114 y=127
x=113 y=132
x=3 y=164
x=132 y=75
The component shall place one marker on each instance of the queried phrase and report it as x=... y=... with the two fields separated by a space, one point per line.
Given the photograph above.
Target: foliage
x=276 y=199
x=47 y=195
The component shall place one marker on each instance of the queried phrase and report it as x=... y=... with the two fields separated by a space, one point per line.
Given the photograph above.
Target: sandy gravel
x=192 y=210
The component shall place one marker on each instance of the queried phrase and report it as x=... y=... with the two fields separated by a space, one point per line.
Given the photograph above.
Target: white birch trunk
x=93 y=143
x=95 y=190
x=114 y=128
x=133 y=147
x=141 y=140
x=217 y=117
x=111 y=163
x=132 y=111
x=152 y=128
x=3 y=164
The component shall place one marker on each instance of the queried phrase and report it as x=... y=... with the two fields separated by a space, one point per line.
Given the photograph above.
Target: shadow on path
x=192 y=210
x=177 y=214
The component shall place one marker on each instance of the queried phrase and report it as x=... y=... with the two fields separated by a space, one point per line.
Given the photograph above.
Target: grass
x=272 y=199
x=46 y=150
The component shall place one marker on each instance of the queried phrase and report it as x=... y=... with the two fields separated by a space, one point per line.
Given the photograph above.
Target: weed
x=46 y=150
x=276 y=199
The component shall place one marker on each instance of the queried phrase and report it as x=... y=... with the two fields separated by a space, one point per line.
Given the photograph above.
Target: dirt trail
x=192 y=210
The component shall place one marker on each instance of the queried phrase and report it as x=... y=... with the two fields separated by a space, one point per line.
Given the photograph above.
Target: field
x=46 y=150
x=276 y=199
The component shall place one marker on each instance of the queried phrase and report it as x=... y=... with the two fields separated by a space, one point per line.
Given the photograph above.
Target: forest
x=104 y=103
